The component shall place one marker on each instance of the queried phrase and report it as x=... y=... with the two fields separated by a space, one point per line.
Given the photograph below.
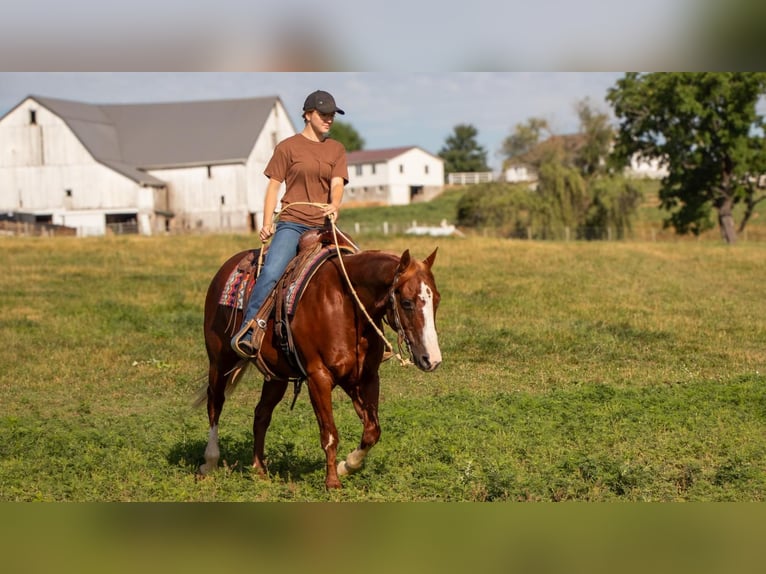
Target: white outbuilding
x=394 y=176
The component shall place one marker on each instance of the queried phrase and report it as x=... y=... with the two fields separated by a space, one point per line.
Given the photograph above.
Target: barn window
x=68 y=192
x=223 y=200
x=373 y=169
x=359 y=170
x=426 y=166
x=32 y=117
x=209 y=172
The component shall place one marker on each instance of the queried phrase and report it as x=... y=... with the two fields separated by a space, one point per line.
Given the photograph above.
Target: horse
x=337 y=333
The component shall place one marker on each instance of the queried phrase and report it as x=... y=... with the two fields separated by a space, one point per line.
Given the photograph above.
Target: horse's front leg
x=364 y=396
x=271 y=393
x=320 y=391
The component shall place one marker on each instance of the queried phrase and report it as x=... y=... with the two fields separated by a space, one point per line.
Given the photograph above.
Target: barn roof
x=132 y=138
x=377 y=155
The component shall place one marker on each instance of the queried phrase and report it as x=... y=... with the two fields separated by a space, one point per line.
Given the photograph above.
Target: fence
x=642 y=233
x=470 y=177
x=35 y=229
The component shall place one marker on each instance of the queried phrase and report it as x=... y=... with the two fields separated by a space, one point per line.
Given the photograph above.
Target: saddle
x=315 y=247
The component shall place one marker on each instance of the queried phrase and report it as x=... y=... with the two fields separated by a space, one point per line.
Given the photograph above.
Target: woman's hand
x=266 y=231
x=331 y=211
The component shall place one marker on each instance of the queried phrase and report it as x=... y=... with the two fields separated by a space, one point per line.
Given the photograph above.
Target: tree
x=704 y=128
x=597 y=137
x=347 y=135
x=587 y=150
x=462 y=153
x=565 y=198
x=522 y=144
x=614 y=201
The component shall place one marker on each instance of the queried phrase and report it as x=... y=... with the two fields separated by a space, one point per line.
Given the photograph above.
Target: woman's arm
x=269 y=206
x=336 y=196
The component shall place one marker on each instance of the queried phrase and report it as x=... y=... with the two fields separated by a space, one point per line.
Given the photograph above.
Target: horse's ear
x=429 y=261
x=404 y=262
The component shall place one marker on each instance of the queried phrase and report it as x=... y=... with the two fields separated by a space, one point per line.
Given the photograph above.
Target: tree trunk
x=726 y=220
x=750 y=203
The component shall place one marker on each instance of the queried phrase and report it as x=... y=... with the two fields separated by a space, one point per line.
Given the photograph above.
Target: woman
x=314 y=170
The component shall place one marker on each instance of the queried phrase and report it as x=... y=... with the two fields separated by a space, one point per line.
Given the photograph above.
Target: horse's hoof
x=343 y=469
x=260 y=472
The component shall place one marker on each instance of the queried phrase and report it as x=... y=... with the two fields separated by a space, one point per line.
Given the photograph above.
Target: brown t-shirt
x=307 y=168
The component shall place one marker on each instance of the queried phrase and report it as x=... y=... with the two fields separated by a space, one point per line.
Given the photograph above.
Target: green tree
x=347 y=135
x=705 y=129
x=565 y=198
x=533 y=144
x=613 y=202
x=462 y=153
x=597 y=137
x=522 y=146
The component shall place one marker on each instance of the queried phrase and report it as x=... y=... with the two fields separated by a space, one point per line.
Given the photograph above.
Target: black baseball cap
x=322 y=102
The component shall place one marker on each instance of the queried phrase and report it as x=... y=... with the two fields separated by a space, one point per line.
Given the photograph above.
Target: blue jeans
x=282 y=249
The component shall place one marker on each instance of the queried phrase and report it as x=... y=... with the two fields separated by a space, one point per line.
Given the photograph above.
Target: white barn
x=395 y=176
x=151 y=167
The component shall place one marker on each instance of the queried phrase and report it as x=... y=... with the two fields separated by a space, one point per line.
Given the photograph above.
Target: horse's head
x=412 y=312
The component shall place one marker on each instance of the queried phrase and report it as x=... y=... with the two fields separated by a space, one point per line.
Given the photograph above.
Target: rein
x=401 y=337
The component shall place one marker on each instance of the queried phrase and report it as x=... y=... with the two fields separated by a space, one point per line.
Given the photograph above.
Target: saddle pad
x=236 y=288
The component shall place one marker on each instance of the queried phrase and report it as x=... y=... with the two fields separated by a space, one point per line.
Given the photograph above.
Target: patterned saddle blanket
x=240 y=282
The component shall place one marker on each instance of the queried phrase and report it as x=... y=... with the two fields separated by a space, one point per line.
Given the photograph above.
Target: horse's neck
x=373 y=271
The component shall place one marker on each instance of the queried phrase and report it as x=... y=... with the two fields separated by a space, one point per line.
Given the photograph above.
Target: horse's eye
x=408 y=304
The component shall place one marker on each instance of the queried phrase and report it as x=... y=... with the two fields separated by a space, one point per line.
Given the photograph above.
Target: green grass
x=400 y=217
x=572 y=371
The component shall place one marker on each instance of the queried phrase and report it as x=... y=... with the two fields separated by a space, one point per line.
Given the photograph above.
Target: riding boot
x=243 y=343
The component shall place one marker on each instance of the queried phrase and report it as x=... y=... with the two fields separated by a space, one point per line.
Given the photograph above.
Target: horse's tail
x=200 y=397
x=232 y=380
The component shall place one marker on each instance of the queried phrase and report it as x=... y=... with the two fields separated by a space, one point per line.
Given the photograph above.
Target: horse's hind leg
x=272 y=392
x=215 y=399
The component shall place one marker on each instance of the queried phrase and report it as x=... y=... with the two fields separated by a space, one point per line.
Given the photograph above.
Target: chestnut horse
x=336 y=343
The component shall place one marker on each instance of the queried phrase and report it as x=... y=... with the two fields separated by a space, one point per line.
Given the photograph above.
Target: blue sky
x=388 y=109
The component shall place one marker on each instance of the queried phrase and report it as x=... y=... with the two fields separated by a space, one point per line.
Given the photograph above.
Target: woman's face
x=320 y=123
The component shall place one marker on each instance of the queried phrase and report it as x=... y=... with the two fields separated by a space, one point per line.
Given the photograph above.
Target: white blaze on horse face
x=430 y=339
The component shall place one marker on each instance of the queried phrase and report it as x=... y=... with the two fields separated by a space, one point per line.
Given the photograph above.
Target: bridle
x=402 y=339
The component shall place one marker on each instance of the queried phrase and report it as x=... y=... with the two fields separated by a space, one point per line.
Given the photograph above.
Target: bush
x=563 y=201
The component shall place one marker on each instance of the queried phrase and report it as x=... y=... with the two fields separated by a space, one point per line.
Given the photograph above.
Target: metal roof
x=132 y=138
x=378 y=155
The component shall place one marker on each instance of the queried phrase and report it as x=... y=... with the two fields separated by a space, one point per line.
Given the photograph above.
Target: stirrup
x=242 y=343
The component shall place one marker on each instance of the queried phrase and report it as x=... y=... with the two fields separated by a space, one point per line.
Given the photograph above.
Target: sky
x=388 y=109
x=345 y=35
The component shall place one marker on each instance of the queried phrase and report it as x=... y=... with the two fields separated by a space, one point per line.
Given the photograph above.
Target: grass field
x=572 y=371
